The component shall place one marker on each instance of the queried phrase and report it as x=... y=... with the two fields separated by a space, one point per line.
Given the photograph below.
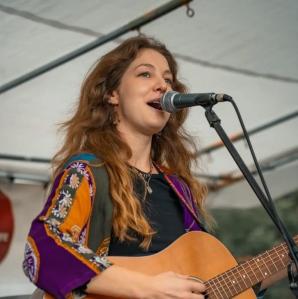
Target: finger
x=194 y=278
x=171 y=273
x=189 y=277
x=182 y=276
x=197 y=287
x=197 y=296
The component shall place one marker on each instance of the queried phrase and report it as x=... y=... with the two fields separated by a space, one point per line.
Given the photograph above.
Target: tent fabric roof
x=247 y=49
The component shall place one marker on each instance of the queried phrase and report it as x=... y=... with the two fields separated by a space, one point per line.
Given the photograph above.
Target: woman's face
x=146 y=79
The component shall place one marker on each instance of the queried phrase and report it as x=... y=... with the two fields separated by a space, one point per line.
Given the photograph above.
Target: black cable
x=289 y=241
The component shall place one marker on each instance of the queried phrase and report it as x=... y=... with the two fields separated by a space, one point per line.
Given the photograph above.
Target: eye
x=145 y=74
x=169 y=81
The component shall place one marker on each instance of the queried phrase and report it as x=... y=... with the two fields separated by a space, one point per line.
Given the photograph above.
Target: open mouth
x=155 y=104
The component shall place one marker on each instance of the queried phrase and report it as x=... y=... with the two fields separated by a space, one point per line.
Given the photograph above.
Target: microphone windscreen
x=166 y=101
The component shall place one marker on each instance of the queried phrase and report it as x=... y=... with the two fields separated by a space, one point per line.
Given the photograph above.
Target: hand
x=170 y=285
x=135 y=285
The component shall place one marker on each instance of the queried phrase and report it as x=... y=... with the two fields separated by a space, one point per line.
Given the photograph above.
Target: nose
x=161 y=85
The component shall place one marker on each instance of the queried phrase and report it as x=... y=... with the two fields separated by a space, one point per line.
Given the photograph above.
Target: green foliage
x=247 y=232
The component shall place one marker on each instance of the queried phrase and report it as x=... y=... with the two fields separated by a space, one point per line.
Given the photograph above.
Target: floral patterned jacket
x=57 y=256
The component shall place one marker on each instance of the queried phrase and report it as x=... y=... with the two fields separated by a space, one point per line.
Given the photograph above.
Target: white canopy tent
x=247 y=49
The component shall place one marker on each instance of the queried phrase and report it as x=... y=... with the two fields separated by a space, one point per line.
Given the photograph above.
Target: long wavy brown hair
x=92 y=129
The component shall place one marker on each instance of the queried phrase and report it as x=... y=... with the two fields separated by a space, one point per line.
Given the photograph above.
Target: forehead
x=150 y=56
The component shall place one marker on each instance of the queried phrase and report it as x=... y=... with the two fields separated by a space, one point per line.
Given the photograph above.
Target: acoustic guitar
x=201 y=255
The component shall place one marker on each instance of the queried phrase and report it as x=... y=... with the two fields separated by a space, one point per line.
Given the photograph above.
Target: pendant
x=149 y=189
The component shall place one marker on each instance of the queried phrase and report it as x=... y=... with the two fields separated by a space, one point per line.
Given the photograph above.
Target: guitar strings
x=276 y=259
x=237 y=288
x=220 y=278
x=277 y=250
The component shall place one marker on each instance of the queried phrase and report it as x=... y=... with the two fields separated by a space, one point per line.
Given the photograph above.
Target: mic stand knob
x=293 y=278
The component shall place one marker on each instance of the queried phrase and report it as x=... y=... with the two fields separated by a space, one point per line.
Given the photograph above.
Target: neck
x=140 y=146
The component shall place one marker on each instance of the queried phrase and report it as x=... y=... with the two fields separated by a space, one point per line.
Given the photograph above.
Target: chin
x=153 y=126
x=154 y=130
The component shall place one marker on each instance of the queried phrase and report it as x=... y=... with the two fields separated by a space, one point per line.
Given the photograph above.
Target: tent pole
x=133 y=25
x=239 y=136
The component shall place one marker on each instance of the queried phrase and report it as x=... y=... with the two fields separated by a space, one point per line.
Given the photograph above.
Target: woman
x=152 y=200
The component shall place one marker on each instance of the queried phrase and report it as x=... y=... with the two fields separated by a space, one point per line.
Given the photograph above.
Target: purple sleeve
x=56 y=260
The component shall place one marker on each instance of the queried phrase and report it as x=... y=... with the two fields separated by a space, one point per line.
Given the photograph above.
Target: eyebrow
x=151 y=66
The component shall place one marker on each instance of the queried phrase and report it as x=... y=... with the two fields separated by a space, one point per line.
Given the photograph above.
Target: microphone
x=172 y=100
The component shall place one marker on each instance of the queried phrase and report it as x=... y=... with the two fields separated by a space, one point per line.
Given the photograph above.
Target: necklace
x=146 y=177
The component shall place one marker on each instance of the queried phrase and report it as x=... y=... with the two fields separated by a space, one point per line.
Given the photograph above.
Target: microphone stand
x=214 y=122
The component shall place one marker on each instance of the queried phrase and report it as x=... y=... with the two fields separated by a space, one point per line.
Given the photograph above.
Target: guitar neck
x=248 y=274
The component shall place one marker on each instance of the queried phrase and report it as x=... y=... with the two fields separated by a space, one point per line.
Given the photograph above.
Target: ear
x=114 y=98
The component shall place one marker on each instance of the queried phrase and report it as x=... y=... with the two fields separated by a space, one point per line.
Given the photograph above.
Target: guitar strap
x=100 y=223
x=102 y=212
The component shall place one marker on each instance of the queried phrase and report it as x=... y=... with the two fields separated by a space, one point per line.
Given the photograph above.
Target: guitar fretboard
x=248 y=274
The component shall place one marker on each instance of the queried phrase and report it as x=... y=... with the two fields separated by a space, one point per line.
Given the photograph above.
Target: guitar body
x=195 y=253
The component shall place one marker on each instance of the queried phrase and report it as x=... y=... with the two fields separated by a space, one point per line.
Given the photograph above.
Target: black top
x=164 y=212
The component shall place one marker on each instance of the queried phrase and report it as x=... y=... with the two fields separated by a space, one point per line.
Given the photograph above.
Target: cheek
x=127 y=106
x=168 y=115
x=132 y=97
x=170 y=118
x=166 y=119
x=134 y=88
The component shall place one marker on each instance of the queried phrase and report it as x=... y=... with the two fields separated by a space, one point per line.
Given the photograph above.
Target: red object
x=6 y=225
